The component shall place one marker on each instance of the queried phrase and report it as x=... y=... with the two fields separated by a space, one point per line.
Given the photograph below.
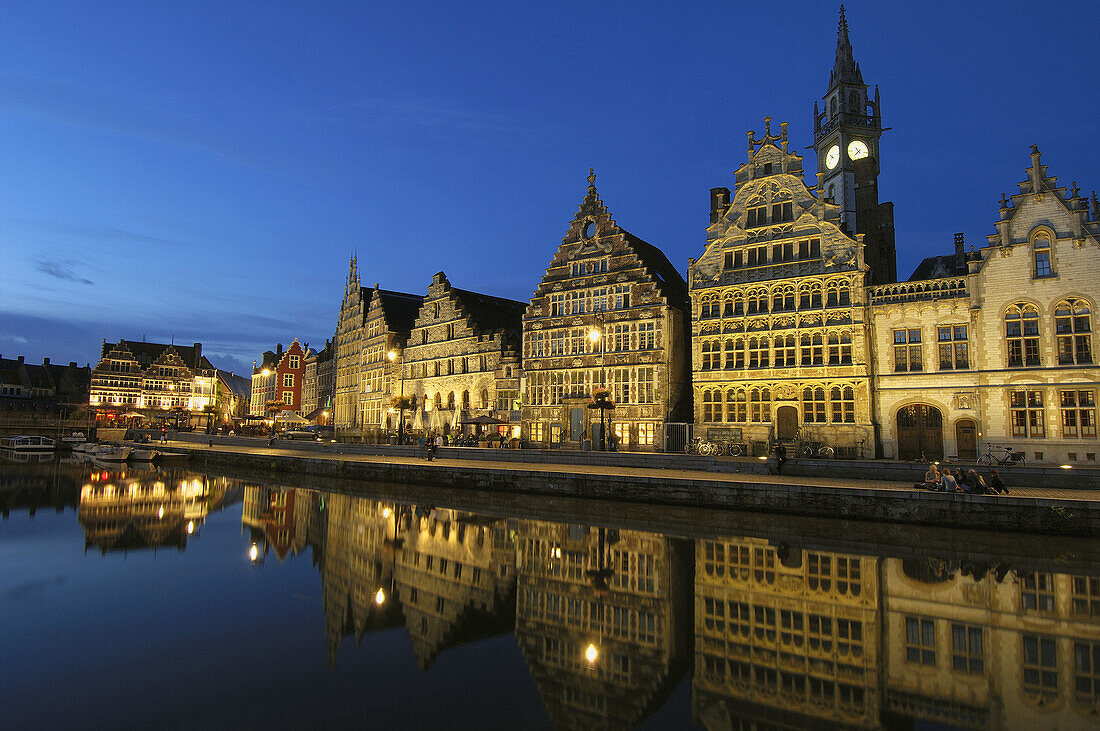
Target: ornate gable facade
x=610 y=312
x=462 y=358
x=348 y=341
x=779 y=334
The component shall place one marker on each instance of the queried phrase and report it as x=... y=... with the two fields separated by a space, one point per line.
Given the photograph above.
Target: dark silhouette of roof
x=491 y=314
x=399 y=309
x=669 y=282
x=148 y=353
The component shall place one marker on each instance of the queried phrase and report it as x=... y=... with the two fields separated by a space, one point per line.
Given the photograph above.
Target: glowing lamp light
x=391 y=355
x=160 y=512
x=1066 y=466
x=386 y=513
x=593 y=335
x=591 y=654
x=380 y=597
x=254 y=552
x=190 y=527
x=762 y=458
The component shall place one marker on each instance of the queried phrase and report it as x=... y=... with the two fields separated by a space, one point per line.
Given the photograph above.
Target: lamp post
x=392 y=355
x=597 y=403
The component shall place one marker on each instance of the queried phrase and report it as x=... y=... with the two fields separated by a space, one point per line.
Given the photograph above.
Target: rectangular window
x=727 y=260
x=907 y=351
x=288 y=380
x=646 y=394
x=646 y=430
x=953 y=347
x=1086 y=673
x=757 y=216
x=1040 y=667
x=1085 y=600
x=1078 y=414
x=967 y=655
x=288 y=397
x=1027 y=414
x=1036 y=591
x=920 y=641
x=622 y=433
x=647 y=336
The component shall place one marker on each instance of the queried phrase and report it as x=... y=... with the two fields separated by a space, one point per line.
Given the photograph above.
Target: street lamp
x=600 y=403
x=392 y=355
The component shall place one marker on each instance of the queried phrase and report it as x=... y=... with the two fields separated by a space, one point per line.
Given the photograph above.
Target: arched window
x=706 y=363
x=813 y=405
x=1022 y=334
x=1040 y=245
x=736 y=407
x=832 y=107
x=708 y=405
x=844 y=404
x=757 y=212
x=785 y=356
x=738 y=359
x=758 y=352
x=728 y=306
x=853 y=101
x=484 y=398
x=451 y=400
x=783 y=299
x=782 y=207
x=757 y=301
x=760 y=405
x=809 y=296
x=465 y=399
x=438 y=401
x=1073 y=328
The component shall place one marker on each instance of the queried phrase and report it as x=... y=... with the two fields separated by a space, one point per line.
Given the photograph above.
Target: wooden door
x=966 y=439
x=920 y=433
x=786 y=422
x=576 y=424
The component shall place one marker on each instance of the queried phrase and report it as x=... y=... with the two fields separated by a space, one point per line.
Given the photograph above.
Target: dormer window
x=767 y=168
x=1041 y=246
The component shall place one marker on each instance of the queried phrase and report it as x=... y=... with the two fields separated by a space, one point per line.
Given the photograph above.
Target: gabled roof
x=669 y=282
x=399 y=309
x=491 y=314
x=239 y=385
x=148 y=353
x=935 y=267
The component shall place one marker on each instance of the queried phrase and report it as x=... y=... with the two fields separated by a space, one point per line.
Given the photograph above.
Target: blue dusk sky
x=202 y=171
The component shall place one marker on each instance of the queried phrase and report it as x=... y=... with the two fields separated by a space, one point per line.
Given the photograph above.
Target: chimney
x=72 y=364
x=45 y=361
x=960 y=250
x=719 y=203
x=20 y=359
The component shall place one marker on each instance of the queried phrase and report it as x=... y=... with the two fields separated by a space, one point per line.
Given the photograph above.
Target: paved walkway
x=290 y=449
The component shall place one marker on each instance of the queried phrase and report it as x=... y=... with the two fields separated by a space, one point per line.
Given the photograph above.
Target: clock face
x=832 y=157
x=857 y=149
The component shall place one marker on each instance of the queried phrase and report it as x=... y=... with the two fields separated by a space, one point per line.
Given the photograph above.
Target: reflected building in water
x=455 y=576
x=277 y=519
x=979 y=647
x=602 y=619
x=784 y=637
x=125 y=510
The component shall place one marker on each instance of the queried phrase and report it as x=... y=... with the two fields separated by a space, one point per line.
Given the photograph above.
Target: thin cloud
x=59 y=270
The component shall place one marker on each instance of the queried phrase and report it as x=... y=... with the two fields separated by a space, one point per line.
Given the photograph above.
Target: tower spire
x=845 y=69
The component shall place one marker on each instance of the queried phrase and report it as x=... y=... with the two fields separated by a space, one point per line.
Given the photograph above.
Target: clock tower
x=846 y=140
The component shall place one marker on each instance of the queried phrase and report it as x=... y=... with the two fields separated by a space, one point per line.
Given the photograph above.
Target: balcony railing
x=929 y=289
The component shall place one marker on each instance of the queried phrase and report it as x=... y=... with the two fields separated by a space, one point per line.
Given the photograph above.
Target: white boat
x=85 y=447
x=107 y=453
x=32 y=443
x=143 y=455
x=77 y=437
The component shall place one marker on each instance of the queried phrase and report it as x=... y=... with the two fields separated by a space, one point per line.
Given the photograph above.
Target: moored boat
x=174 y=456
x=77 y=437
x=28 y=443
x=108 y=453
x=143 y=455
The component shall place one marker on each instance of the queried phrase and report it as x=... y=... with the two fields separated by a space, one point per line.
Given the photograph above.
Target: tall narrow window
x=1040 y=667
x=920 y=641
x=813 y=405
x=1022 y=335
x=967 y=654
x=735 y=406
x=1041 y=246
x=760 y=405
x=1073 y=328
x=844 y=404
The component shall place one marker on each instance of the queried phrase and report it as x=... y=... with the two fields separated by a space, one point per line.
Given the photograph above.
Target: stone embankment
x=723 y=484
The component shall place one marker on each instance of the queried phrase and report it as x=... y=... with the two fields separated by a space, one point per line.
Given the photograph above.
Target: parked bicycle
x=815 y=449
x=707 y=448
x=1001 y=456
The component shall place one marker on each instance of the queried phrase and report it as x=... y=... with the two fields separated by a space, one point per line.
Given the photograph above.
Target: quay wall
x=916 y=507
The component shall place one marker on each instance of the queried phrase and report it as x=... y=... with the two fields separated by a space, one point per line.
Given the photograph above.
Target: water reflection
x=611 y=619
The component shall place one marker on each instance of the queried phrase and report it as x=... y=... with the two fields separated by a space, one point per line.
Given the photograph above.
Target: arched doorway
x=786 y=423
x=920 y=432
x=966 y=439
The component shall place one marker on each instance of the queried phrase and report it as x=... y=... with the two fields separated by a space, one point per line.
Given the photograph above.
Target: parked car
x=300 y=434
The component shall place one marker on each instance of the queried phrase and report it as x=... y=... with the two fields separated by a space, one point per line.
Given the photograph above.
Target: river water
x=170 y=598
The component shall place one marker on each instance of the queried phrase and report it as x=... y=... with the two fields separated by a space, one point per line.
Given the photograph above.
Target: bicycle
x=1001 y=457
x=816 y=449
x=702 y=447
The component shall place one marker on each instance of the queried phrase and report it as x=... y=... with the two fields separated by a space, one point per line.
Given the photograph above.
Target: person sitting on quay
x=996 y=484
x=932 y=477
x=975 y=485
x=947 y=481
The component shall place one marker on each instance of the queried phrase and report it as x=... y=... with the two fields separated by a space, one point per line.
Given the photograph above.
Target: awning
x=484 y=421
x=418 y=419
x=290 y=418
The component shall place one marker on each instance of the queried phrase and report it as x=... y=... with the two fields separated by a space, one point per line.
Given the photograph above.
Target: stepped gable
x=148 y=353
x=1034 y=191
x=399 y=309
x=594 y=232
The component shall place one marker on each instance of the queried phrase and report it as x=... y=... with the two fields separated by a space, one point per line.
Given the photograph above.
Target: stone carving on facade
x=966 y=400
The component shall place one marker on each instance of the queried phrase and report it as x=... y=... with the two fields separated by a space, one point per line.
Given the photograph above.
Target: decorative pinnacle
x=1075 y=191
x=591 y=177
x=842 y=26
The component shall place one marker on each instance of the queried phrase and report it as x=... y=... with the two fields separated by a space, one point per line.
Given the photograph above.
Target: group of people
x=961 y=480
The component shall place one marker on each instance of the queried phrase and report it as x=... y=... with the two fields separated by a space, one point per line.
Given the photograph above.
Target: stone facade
x=349 y=346
x=462 y=359
x=1004 y=351
x=151 y=379
x=318 y=379
x=610 y=313
x=779 y=331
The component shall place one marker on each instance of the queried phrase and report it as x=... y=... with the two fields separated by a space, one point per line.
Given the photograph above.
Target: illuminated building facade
x=151 y=379
x=462 y=359
x=610 y=312
x=602 y=620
